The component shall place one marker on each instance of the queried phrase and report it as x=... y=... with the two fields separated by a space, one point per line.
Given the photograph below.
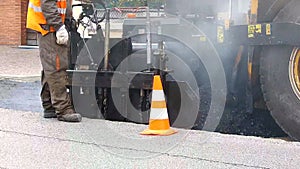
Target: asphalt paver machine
x=211 y=56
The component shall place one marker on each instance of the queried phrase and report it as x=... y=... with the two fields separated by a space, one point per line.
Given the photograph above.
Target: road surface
x=29 y=141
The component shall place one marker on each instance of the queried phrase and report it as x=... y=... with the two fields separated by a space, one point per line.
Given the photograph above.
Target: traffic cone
x=159 y=121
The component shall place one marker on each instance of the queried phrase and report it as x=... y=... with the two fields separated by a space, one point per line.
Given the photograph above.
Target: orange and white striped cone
x=159 y=121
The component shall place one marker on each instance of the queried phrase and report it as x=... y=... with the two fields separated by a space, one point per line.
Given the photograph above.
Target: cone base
x=159 y=132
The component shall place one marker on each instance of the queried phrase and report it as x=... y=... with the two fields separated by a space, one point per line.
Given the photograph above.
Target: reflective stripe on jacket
x=36 y=17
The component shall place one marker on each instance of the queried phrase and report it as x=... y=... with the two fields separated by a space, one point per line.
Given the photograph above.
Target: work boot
x=69 y=116
x=49 y=114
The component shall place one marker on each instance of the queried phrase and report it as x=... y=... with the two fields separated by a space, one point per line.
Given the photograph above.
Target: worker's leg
x=49 y=111
x=54 y=60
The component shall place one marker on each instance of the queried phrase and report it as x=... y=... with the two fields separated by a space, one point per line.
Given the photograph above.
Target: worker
x=47 y=18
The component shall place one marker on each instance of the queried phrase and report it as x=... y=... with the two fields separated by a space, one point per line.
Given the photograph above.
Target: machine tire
x=278 y=92
x=279 y=95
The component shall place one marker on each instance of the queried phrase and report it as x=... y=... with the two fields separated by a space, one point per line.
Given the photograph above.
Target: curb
x=21 y=78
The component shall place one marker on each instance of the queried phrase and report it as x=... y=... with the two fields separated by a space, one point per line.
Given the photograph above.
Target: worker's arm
x=50 y=11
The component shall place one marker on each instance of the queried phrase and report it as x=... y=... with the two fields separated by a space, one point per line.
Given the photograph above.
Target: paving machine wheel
x=280 y=85
x=279 y=70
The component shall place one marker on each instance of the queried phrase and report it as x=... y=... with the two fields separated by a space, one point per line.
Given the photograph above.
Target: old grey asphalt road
x=29 y=141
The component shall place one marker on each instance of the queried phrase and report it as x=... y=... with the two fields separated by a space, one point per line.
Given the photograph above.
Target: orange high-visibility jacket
x=36 y=17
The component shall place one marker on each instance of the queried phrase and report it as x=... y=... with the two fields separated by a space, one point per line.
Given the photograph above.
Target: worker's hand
x=62 y=36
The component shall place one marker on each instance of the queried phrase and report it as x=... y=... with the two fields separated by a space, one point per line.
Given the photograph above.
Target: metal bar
x=143 y=46
x=110 y=79
x=249 y=93
x=235 y=70
x=107 y=36
x=149 y=46
x=253 y=12
x=265 y=34
x=230 y=10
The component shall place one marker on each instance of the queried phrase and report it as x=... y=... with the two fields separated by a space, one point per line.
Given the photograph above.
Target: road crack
x=130 y=149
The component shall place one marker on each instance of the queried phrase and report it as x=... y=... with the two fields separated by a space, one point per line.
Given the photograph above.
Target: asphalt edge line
x=18 y=76
x=21 y=78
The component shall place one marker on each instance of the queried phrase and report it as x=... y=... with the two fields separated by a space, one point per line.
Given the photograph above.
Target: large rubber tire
x=276 y=85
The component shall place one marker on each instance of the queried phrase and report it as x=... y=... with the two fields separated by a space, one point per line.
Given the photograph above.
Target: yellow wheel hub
x=294 y=71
